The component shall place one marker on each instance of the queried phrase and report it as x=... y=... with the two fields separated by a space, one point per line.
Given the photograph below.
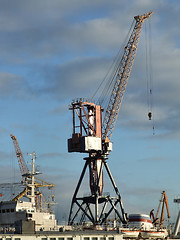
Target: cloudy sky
x=52 y=51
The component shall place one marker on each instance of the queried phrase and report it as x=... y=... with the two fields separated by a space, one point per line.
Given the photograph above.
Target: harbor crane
x=27 y=177
x=93 y=136
x=164 y=202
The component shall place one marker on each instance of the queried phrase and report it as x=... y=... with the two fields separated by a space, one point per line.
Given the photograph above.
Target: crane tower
x=92 y=135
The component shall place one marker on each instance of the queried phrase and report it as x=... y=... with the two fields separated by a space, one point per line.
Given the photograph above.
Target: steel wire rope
x=109 y=85
x=110 y=77
x=150 y=66
x=148 y=46
x=147 y=68
x=103 y=82
x=114 y=71
x=151 y=74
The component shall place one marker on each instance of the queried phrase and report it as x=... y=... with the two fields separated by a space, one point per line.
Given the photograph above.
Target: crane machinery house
x=87 y=130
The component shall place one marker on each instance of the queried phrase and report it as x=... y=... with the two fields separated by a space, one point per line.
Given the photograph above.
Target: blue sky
x=53 y=51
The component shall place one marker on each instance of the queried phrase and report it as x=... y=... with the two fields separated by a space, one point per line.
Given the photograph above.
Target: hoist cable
x=109 y=85
x=150 y=65
x=147 y=68
x=148 y=44
x=114 y=71
x=151 y=75
x=110 y=78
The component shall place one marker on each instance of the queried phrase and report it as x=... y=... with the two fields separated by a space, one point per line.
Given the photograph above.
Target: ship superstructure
x=27 y=216
x=22 y=216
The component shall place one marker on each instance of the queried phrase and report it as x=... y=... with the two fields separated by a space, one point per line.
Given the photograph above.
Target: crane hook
x=150 y=115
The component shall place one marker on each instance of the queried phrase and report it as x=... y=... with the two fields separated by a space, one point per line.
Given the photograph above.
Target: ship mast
x=32 y=183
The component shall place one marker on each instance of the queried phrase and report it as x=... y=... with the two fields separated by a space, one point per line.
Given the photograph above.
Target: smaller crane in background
x=27 y=178
x=22 y=164
x=156 y=220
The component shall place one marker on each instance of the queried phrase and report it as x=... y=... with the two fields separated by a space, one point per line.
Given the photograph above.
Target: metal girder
x=83 y=206
x=121 y=78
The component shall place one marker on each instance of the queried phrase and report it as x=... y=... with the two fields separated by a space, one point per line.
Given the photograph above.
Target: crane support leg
x=96 y=207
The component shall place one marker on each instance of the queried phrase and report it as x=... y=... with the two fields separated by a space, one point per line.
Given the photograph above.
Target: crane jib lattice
x=122 y=76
